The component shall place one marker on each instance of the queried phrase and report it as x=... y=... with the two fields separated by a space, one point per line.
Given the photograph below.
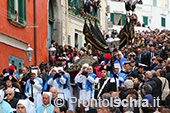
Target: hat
x=132 y=59
x=48 y=66
x=116 y=65
x=62 y=59
x=107 y=68
x=126 y=62
x=153 y=58
x=9 y=77
x=107 y=58
x=11 y=69
x=30 y=107
x=49 y=94
x=142 y=65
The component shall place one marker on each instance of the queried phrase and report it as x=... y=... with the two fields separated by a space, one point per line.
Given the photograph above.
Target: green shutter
x=11 y=9
x=112 y=17
x=25 y=12
x=163 y=22
x=123 y=19
x=22 y=11
x=145 y=20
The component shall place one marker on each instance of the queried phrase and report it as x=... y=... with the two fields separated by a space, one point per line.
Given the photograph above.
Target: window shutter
x=25 y=12
x=163 y=22
x=21 y=11
x=11 y=9
x=112 y=17
x=145 y=20
x=123 y=19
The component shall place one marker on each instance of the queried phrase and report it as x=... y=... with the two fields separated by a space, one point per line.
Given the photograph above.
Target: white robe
x=37 y=89
x=60 y=90
x=83 y=94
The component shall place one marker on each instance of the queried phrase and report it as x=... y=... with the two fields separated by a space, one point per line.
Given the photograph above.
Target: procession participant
x=127 y=68
x=34 y=88
x=57 y=81
x=121 y=77
x=104 y=84
x=133 y=66
x=45 y=75
x=9 y=84
x=46 y=106
x=64 y=63
x=9 y=97
x=84 y=82
x=91 y=74
x=25 y=76
x=120 y=60
x=25 y=106
x=67 y=84
x=54 y=92
x=141 y=71
x=4 y=106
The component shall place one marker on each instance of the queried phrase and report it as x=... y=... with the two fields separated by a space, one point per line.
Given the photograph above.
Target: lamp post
x=52 y=52
x=29 y=52
x=112 y=43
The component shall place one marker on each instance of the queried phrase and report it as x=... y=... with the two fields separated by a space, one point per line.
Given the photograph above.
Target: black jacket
x=168 y=77
x=110 y=86
x=13 y=102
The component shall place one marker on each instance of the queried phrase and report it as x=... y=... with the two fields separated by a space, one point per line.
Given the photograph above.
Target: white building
x=75 y=22
x=154 y=13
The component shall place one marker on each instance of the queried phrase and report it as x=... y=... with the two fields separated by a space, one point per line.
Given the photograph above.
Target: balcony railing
x=76 y=8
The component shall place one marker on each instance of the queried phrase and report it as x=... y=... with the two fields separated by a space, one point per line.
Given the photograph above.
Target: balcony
x=76 y=8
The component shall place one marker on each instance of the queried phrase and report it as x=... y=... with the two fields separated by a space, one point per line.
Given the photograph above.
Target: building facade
x=75 y=21
x=154 y=13
x=33 y=22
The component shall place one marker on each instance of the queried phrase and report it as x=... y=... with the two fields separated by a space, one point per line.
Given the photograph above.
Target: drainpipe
x=66 y=21
x=35 y=34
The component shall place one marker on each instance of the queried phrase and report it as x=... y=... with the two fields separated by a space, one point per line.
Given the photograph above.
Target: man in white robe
x=58 y=82
x=25 y=106
x=46 y=107
x=34 y=88
x=84 y=82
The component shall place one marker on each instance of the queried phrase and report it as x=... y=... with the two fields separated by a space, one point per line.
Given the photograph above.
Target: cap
x=62 y=58
x=116 y=65
x=132 y=59
x=107 y=68
x=126 y=62
x=142 y=65
x=9 y=77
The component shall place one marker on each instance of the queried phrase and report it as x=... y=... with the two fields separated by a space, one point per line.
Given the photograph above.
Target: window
x=17 y=11
x=145 y=20
x=163 y=23
x=50 y=12
x=18 y=62
x=154 y=2
x=118 y=19
x=69 y=39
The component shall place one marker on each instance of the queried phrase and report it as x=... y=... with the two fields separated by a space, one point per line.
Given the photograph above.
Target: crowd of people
x=140 y=70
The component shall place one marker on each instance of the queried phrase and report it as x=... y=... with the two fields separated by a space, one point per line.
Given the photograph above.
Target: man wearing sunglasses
x=4 y=106
x=9 y=97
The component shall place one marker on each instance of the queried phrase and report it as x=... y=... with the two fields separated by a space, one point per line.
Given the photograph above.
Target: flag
x=92 y=36
x=100 y=37
x=126 y=34
x=123 y=35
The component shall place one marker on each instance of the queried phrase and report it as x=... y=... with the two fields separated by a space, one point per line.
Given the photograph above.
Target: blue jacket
x=149 y=97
